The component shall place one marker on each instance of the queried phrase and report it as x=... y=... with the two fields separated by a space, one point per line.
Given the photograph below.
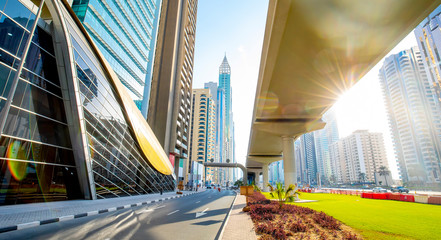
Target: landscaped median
x=274 y=221
x=375 y=219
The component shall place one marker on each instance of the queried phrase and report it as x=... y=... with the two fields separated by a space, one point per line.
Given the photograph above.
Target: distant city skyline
x=240 y=36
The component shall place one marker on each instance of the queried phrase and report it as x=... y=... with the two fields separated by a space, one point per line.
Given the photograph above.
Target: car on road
x=379 y=190
x=400 y=189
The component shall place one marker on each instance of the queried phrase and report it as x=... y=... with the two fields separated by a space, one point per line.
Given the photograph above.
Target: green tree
x=238 y=183
x=383 y=171
x=282 y=194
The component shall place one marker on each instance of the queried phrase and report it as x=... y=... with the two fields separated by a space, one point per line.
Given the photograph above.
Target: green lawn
x=379 y=219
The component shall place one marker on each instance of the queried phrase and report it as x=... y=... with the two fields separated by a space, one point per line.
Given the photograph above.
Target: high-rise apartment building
x=203 y=133
x=275 y=174
x=322 y=140
x=212 y=86
x=429 y=42
x=414 y=116
x=125 y=32
x=69 y=128
x=360 y=156
x=308 y=159
x=170 y=99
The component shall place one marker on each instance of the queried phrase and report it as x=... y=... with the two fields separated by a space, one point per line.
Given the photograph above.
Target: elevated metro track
x=313 y=51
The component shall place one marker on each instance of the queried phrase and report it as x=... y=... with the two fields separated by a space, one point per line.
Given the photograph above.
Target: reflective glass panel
x=25 y=182
x=42 y=64
x=21 y=14
x=39 y=101
x=6 y=77
x=12 y=36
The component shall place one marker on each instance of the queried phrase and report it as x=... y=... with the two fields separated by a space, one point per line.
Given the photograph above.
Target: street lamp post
x=212 y=160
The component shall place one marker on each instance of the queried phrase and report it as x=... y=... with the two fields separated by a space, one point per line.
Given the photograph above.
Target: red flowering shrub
x=279 y=232
x=326 y=221
x=298 y=226
x=265 y=227
x=294 y=222
x=258 y=198
x=266 y=237
x=296 y=210
x=350 y=236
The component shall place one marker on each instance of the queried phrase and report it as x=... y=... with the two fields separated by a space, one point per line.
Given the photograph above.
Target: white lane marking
x=201 y=213
x=161 y=206
x=198 y=201
x=173 y=212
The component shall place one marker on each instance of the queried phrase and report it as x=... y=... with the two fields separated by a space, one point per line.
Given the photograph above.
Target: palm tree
x=332 y=179
x=362 y=177
x=283 y=194
x=383 y=171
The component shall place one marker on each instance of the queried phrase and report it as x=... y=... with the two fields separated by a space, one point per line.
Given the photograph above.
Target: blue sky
x=235 y=28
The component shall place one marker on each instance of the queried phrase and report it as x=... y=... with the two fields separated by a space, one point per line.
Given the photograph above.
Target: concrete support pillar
x=177 y=171
x=265 y=177
x=185 y=170
x=289 y=160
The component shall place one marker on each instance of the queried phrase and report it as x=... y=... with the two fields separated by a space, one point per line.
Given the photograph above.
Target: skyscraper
x=203 y=132
x=212 y=86
x=359 y=157
x=309 y=159
x=225 y=85
x=414 y=116
x=429 y=42
x=322 y=140
x=124 y=31
x=170 y=96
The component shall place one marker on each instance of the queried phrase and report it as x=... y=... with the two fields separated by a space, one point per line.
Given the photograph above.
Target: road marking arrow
x=173 y=212
x=201 y=213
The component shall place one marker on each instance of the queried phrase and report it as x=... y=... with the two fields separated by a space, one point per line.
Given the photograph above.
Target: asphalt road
x=198 y=216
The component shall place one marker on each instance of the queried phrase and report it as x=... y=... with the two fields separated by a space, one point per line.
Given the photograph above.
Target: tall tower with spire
x=225 y=85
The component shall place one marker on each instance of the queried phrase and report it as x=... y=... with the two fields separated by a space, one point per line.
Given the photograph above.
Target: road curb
x=224 y=224
x=80 y=215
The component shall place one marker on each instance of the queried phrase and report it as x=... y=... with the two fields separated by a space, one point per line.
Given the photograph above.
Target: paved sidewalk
x=239 y=225
x=21 y=216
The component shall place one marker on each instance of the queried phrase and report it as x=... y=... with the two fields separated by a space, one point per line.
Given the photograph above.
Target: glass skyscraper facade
x=69 y=129
x=413 y=114
x=323 y=139
x=428 y=37
x=124 y=31
x=225 y=85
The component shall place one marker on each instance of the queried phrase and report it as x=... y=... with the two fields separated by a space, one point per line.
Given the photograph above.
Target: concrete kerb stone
x=227 y=218
x=91 y=213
